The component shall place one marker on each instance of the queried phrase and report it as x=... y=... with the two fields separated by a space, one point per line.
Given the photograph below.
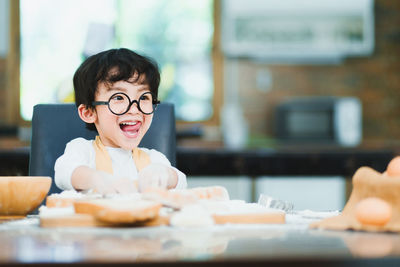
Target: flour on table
x=192 y=216
x=55 y=212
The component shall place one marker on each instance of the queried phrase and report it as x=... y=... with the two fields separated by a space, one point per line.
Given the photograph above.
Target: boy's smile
x=130 y=128
x=127 y=130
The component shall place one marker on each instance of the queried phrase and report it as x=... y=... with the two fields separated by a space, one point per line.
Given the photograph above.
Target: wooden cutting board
x=11 y=217
x=250 y=218
x=109 y=213
x=73 y=220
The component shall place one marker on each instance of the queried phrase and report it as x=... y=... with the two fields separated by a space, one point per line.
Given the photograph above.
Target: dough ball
x=393 y=168
x=373 y=211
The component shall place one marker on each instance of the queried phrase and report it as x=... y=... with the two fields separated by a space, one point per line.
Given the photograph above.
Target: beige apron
x=103 y=159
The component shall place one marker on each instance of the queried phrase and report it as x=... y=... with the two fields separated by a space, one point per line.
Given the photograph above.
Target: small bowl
x=20 y=195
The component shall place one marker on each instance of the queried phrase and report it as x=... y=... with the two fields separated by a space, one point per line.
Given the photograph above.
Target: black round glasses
x=120 y=103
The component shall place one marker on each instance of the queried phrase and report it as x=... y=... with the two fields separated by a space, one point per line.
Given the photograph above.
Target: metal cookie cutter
x=270 y=202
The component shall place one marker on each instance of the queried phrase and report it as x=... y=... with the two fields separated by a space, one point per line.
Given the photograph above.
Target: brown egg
x=373 y=211
x=393 y=168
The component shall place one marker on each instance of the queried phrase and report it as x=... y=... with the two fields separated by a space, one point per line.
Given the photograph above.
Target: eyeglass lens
x=120 y=103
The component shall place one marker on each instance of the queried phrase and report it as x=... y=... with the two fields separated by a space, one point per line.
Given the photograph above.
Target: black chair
x=54 y=125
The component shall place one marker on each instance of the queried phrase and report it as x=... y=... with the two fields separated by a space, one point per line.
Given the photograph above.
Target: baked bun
x=177 y=198
x=211 y=192
x=119 y=211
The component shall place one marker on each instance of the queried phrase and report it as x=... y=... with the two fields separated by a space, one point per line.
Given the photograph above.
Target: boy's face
x=127 y=130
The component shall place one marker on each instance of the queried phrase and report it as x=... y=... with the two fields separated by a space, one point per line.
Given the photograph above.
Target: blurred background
x=243 y=74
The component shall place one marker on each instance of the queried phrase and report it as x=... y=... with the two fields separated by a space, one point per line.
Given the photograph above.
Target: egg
x=393 y=168
x=373 y=211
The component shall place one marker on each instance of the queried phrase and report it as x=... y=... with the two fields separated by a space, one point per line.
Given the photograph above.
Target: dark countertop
x=251 y=162
x=297 y=161
x=290 y=244
x=14 y=161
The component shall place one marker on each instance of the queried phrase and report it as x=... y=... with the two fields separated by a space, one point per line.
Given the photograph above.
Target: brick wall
x=375 y=80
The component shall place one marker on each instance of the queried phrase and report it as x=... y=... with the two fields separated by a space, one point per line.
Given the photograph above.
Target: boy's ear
x=88 y=115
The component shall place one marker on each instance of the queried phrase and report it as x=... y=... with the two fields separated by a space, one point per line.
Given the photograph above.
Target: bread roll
x=211 y=192
x=178 y=198
x=118 y=211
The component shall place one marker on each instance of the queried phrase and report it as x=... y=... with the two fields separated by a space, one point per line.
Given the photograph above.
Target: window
x=56 y=36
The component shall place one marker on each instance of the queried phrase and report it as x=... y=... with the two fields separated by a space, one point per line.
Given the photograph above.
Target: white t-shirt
x=80 y=152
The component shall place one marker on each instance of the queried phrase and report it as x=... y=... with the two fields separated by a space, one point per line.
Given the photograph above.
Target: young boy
x=116 y=94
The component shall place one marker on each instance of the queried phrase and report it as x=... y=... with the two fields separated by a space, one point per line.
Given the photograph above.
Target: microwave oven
x=329 y=120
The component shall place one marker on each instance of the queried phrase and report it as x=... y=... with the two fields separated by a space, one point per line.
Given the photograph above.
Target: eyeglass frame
x=155 y=103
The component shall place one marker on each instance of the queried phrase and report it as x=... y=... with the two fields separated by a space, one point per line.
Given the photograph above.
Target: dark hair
x=109 y=67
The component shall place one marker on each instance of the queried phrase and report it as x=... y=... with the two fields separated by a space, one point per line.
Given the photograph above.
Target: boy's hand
x=107 y=184
x=157 y=175
x=85 y=178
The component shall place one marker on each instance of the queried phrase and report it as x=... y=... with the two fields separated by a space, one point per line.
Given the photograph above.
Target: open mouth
x=130 y=128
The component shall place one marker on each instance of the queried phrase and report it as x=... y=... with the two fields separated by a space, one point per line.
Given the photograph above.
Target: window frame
x=13 y=115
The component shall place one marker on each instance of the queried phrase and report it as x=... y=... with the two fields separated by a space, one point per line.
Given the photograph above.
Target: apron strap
x=103 y=159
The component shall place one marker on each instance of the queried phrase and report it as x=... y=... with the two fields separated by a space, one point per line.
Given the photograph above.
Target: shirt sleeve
x=158 y=157
x=78 y=152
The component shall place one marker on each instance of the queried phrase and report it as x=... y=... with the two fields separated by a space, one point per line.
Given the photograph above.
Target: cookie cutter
x=270 y=202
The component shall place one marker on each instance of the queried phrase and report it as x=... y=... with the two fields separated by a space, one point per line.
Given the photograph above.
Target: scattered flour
x=236 y=207
x=68 y=194
x=192 y=216
x=127 y=197
x=55 y=212
x=201 y=214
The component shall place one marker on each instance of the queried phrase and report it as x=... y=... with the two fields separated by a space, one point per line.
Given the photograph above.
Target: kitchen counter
x=250 y=162
x=283 y=162
x=290 y=244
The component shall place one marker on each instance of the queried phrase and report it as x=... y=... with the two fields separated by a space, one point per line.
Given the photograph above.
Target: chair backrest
x=54 y=125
